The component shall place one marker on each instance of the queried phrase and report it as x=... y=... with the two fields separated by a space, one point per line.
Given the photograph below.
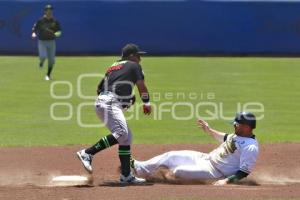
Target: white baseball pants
x=109 y=110
x=185 y=165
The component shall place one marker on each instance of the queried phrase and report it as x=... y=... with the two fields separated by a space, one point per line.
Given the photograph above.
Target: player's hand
x=33 y=35
x=203 y=124
x=220 y=182
x=147 y=109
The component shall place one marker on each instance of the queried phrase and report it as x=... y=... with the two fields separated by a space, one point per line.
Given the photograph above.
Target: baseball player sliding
x=115 y=95
x=231 y=161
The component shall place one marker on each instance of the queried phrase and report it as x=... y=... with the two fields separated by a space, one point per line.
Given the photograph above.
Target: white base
x=70 y=180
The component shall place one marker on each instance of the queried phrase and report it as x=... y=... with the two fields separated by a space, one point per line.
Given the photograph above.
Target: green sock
x=125 y=155
x=103 y=143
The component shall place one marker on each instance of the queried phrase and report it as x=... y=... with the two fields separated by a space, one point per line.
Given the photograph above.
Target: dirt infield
x=25 y=173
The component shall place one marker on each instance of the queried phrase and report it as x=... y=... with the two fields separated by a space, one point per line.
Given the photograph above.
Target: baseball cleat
x=131 y=179
x=86 y=160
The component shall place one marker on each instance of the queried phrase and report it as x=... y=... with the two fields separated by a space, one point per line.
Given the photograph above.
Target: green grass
x=25 y=98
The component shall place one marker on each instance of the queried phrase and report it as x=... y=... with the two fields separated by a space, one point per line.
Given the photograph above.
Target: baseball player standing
x=115 y=94
x=46 y=29
x=231 y=161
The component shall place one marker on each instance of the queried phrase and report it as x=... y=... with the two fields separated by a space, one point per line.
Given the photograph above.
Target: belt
x=116 y=96
x=107 y=93
x=125 y=103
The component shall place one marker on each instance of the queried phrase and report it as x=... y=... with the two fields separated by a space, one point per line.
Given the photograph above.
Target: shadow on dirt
x=117 y=184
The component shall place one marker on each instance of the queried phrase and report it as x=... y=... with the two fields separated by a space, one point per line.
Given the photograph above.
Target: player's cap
x=245 y=118
x=130 y=49
x=48 y=7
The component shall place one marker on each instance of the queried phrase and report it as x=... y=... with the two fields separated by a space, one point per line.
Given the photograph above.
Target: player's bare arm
x=219 y=136
x=144 y=94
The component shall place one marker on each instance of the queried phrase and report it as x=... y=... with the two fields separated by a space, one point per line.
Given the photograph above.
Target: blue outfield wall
x=160 y=27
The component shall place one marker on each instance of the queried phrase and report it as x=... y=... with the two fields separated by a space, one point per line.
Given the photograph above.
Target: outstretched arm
x=232 y=179
x=219 y=136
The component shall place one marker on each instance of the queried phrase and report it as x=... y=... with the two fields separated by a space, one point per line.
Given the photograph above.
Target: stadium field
x=35 y=112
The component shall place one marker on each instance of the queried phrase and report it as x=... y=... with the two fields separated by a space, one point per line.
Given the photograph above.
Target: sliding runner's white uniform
x=234 y=154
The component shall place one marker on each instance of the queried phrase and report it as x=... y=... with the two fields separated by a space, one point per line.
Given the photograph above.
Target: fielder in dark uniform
x=47 y=29
x=115 y=95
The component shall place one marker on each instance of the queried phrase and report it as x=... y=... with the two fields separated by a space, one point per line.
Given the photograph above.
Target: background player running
x=47 y=29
